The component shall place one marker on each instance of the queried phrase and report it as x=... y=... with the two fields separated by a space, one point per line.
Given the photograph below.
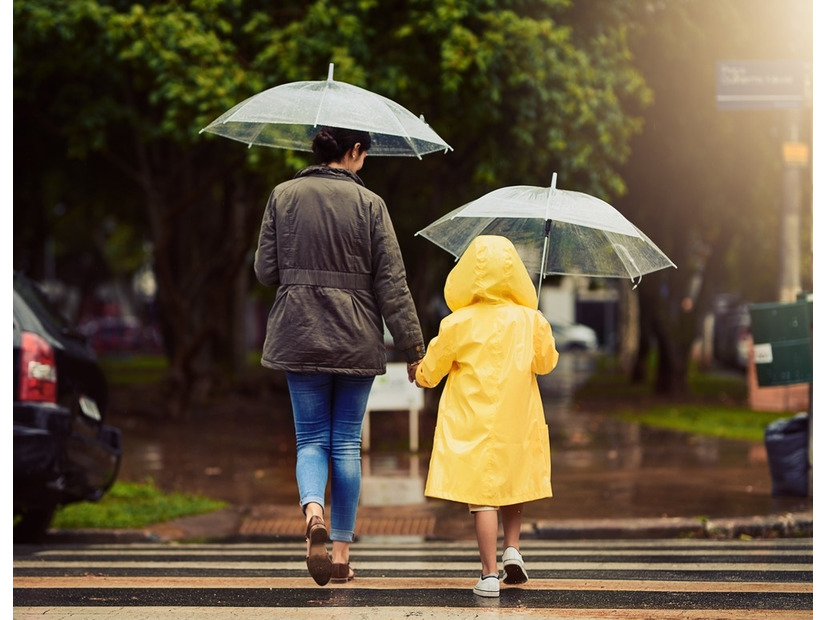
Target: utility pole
x=795 y=158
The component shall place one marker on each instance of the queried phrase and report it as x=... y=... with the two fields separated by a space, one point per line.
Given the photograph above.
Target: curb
x=226 y=525
x=790 y=525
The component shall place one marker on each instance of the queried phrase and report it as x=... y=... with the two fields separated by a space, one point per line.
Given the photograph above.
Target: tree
x=121 y=89
x=704 y=183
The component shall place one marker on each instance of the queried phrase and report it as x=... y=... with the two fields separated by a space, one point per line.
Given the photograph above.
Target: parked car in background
x=64 y=451
x=114 y=335
x=574 y=336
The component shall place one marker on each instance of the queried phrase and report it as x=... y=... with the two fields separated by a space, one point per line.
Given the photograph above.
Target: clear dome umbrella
x=288 y=116
x=556 y=232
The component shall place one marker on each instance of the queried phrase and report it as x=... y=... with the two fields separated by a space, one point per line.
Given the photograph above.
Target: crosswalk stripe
x=389 y=613
x=468 y=566
x=392 y=583
x=641 y=579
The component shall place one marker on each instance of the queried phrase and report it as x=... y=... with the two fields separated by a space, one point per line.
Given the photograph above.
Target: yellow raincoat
x=491 y=445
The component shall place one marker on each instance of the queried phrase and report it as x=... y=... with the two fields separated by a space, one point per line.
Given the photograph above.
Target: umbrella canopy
x=555 y=232
x=288 y=117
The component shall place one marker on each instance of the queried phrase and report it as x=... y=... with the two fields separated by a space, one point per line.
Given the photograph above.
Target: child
x=491 y=448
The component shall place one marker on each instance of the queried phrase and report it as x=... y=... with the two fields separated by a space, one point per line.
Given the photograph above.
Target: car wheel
x=32 y=525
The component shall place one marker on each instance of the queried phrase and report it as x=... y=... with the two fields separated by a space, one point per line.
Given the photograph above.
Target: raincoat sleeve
x=390 y=285
x=545 y=354
x=266 y=256
x=437 y=361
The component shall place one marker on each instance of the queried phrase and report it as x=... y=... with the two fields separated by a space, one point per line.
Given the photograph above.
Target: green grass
x=132 y=505
x=707 y=420
x=716 y=404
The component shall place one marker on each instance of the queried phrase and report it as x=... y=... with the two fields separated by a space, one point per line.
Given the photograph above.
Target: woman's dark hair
x=332 y=143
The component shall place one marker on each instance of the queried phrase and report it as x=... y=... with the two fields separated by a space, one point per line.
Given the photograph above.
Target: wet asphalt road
x=602 y=467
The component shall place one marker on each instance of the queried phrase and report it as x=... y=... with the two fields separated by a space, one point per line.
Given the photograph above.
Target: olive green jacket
x=328 y=244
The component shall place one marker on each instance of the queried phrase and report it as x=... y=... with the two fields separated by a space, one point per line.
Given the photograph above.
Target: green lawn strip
x=715 y=405
x=132 y=505
x=709 y=421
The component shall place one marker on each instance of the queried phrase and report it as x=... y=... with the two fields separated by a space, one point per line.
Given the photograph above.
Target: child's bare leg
x=512 y=562
x=487 y=531
x=511 y=524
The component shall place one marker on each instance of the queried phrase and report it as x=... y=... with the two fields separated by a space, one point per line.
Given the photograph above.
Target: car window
x=39 y=303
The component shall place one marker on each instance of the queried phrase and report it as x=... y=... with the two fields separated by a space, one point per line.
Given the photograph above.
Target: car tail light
x=38 y=373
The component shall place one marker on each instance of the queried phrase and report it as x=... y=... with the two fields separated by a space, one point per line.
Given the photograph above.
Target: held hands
x=411 y=371
x=418 y=352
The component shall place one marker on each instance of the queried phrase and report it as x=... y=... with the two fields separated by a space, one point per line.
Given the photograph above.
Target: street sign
x=757 y=85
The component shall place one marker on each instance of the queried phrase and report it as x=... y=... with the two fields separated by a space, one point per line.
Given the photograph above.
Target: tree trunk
x=202 y=234
x=629 y=328
x=672 y=366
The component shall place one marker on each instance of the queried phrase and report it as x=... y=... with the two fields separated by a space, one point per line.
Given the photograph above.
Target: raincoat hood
x=490 y=270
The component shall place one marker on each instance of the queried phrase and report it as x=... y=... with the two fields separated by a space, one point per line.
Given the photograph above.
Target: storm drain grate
x=367 y=526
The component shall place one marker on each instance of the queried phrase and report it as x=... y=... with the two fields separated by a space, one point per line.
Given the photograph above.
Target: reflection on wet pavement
x=602 y=467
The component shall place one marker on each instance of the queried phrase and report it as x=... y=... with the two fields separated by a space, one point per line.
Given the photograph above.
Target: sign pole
x=795 y=157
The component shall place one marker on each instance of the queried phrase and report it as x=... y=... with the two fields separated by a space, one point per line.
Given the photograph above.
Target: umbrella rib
x=258 y=132
x=633 y=263
x=324 y=94
x=406 y=135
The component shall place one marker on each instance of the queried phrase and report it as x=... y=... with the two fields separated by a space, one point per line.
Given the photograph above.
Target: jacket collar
x=326 y=171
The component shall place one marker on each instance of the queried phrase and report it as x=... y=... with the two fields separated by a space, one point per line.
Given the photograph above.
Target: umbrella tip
x=330 y=73
x=553 y=181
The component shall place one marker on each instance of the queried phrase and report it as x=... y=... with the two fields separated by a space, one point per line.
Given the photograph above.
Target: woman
x=328 y=244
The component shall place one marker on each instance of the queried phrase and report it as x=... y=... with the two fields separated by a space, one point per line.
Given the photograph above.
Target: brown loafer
x=342 y=573
x=318 y=561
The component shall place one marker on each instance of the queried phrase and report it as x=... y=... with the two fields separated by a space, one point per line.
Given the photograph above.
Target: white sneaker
x=515 y=572
x=487 y=586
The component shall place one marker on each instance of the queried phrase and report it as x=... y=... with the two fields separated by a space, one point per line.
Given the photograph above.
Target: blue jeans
x=328 y=411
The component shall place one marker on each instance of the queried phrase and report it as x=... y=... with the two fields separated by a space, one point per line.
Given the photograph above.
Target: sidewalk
x=267 y=523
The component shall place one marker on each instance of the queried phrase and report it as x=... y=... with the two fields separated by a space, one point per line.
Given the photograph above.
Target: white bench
x=393 y=392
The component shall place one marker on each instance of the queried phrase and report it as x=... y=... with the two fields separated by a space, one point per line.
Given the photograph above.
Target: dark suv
x=63 y=451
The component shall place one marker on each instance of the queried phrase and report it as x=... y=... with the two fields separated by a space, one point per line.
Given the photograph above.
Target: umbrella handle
x=551 y=190
x=544 y=256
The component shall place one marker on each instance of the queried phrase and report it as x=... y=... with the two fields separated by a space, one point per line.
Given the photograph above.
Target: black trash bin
x=787 y=447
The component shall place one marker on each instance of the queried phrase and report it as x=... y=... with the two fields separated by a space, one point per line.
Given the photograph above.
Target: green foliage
x=111 y=97
x=132 y=505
